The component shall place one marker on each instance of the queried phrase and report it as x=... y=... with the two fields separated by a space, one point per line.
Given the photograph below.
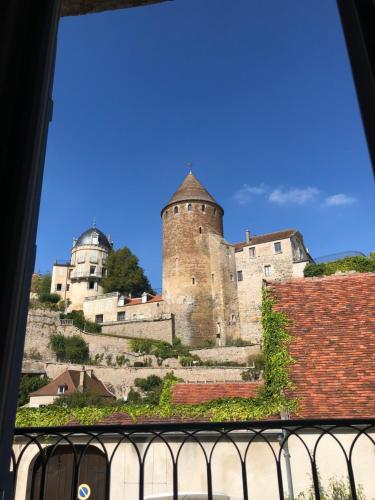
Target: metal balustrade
x=263 y=460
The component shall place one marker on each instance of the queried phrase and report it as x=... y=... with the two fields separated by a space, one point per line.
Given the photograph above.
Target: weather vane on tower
x=189 y=165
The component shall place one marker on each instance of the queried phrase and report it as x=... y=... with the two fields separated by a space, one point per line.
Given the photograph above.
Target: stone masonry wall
x=237 y=354
x=250 y=289
x=157 y=329
x=41 y=324
x=120 y=380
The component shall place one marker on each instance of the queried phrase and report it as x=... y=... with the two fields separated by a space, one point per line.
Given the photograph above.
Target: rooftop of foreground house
x=332 y=323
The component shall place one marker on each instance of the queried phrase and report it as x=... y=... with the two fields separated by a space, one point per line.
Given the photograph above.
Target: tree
x=29 y=384
x=125 y=275
x=73 y=349
x=43 y=287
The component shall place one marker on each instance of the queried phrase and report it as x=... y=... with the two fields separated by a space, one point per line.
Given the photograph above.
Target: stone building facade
x=82 y=276
x=211 y=288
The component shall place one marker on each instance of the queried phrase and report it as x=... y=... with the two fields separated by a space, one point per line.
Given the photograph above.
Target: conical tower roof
x=191 y=190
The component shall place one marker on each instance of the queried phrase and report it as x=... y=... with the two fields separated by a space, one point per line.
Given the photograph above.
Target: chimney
x=81 y=379
x=248 y=236
x=144 y=298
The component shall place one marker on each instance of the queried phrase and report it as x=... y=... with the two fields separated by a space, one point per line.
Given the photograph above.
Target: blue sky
x=257 y=95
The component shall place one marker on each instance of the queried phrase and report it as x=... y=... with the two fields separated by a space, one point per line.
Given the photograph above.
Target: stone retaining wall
x=119 y=380
x=156 y=329
x=236 y=354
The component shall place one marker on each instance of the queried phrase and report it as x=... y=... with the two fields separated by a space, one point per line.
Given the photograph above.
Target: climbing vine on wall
x=271 y=398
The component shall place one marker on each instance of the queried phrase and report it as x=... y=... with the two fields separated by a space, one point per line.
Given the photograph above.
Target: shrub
x=79 y=321
x=73 y=349
x=162 y=350
x=256 y=362
x=191 y=360
x=134 y=397
x=82 y=400
x=29 y=384
x=359 y=263
x=151 y=388
x=238 y=342
x=52 y=298
x=121 y=360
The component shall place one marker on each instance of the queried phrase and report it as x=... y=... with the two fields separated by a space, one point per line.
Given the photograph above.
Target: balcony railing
x=246 y=460
x=85 y=274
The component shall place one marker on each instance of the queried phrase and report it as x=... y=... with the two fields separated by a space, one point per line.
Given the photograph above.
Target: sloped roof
x=87 y=237
x=266 y=238
x=201 y=393
x=333 y=343
x=192 y=190
x=70 y=378
x=138 y=300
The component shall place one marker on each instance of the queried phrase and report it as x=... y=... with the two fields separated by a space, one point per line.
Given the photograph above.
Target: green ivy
x=271 y=398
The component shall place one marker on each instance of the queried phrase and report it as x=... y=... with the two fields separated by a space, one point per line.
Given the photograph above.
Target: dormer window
x=175 y=210
x=61 y=389
x=95 y=239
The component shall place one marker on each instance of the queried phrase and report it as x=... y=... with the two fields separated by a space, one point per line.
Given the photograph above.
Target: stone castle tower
x=198 y=266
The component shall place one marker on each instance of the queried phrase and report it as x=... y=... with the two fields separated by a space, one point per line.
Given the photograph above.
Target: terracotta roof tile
x=201 y=393
x=333 y=345
x=70 y=378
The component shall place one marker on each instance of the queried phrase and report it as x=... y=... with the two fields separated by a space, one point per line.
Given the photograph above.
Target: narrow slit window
x=190 y=207
x=203 y=208
x=200 y=229
x=239 y=276
x=193 y=281
x=175 y=209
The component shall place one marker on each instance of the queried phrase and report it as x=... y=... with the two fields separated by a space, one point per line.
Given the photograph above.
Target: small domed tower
x=192 y=220
x=88 y=265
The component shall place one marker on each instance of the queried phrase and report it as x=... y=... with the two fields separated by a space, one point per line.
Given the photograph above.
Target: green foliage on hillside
x=359 y=263
x=81 y=322
x=162 y=350
x=29 y=384
x=271 y=399
x=73 y=349
x=125 y=275
x=82 y=400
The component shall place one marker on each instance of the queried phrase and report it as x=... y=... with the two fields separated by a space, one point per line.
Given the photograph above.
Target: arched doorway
x=59 y=473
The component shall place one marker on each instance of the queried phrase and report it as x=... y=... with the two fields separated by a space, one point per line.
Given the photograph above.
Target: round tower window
x=175 y=209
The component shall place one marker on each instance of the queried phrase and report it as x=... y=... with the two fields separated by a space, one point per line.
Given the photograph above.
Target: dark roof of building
x=71 y=379
x=191 y=190
x=201 y=393
x=87 y=236
x=333 y=343
x=266 y=238
x=78 y=7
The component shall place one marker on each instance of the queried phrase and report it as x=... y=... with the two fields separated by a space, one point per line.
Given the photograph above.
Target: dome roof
x=88 y=238
x=191 y=190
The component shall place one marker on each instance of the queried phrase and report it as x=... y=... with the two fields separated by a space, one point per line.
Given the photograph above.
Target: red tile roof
x=333 y=345
x=201 y=393
x=266 y=238
x=138 y=300
x=71 y=379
